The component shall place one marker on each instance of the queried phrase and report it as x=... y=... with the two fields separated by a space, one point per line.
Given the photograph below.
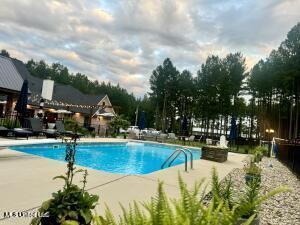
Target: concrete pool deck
x=26 y=180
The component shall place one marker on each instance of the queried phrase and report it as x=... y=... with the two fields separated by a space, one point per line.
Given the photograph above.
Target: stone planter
x=242 y=221
x=214 y=153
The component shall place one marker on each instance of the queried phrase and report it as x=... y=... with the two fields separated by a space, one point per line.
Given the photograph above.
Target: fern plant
x=250 y=201
x=222 y=191
x=187 y=210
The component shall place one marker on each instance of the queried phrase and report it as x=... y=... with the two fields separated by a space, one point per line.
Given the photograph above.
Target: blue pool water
x=122 y=158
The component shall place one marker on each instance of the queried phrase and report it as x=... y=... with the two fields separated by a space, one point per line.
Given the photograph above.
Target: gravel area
x=282 y=209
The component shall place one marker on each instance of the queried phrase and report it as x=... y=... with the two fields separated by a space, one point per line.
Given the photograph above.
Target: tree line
x=274 y=85
x=265 y=97
x=119 y=97
x=206 y=100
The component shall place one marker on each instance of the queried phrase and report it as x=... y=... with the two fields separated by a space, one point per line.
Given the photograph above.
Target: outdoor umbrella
x=184 y=125
x=142 y=122
x=233 y=129
x=21 y=106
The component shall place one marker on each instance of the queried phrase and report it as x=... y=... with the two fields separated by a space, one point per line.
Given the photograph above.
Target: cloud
x=123 y=41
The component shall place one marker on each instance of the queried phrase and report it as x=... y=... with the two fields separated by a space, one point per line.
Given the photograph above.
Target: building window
x=103 y=103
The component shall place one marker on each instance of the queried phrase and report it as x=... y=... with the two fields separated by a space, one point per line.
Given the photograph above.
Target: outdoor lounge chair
x=150 y=137
x=190 y=138
x=209 y=141
x=133 y=135
x=60 y=128
x=172 y=136
x=22 y=132
x=4 y=131
x=161 y=138
x=51 y=133
x=36 y=126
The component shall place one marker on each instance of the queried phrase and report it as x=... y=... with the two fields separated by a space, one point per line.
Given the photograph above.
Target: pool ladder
x=174 y=156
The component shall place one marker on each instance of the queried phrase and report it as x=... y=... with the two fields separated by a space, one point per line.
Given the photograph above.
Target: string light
x=35 y=98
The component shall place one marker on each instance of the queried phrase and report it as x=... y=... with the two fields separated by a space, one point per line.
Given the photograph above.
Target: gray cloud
x=123 y=41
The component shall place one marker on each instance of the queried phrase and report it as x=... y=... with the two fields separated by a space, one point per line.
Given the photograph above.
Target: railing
x=191 y=156
x=289 y=154
x=176 y=154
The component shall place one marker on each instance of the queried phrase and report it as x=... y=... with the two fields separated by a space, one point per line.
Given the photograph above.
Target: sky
x=123 y=41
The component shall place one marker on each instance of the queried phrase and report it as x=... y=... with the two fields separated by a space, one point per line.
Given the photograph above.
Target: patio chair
x=36 y=126
x=172 y=136
x=51 y=133
x=190 y=138
x=209 y=141
x=150 y=137
x=4 y=131
x=133 y=135
x=161 y=138
x=60 y=128
x=22 y=132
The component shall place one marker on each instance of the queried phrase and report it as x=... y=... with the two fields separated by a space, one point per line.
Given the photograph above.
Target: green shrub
x=261 y=150
x=73 y=125
x=118 y=122
x=10 y=123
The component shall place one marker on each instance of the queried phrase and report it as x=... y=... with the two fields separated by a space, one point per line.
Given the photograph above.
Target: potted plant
x=259 y=152
x=253 y=172
x=71 y=205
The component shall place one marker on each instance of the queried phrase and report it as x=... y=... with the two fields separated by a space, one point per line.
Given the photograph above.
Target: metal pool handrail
x=192 y=156
x=178 y=151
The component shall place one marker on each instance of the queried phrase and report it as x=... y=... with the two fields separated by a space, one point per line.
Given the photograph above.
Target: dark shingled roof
x=35 y=84
x=10 y=78
x=61 y=92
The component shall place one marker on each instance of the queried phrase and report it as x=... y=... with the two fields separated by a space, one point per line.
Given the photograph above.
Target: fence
x=289 y=154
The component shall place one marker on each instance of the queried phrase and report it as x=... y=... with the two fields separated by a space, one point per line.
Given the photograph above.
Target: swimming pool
x=121 y=158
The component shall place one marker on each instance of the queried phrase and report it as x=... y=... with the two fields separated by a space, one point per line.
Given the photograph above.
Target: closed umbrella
x=233 y=130
x=184 y=125
x=21 y=105
x=142 y=123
